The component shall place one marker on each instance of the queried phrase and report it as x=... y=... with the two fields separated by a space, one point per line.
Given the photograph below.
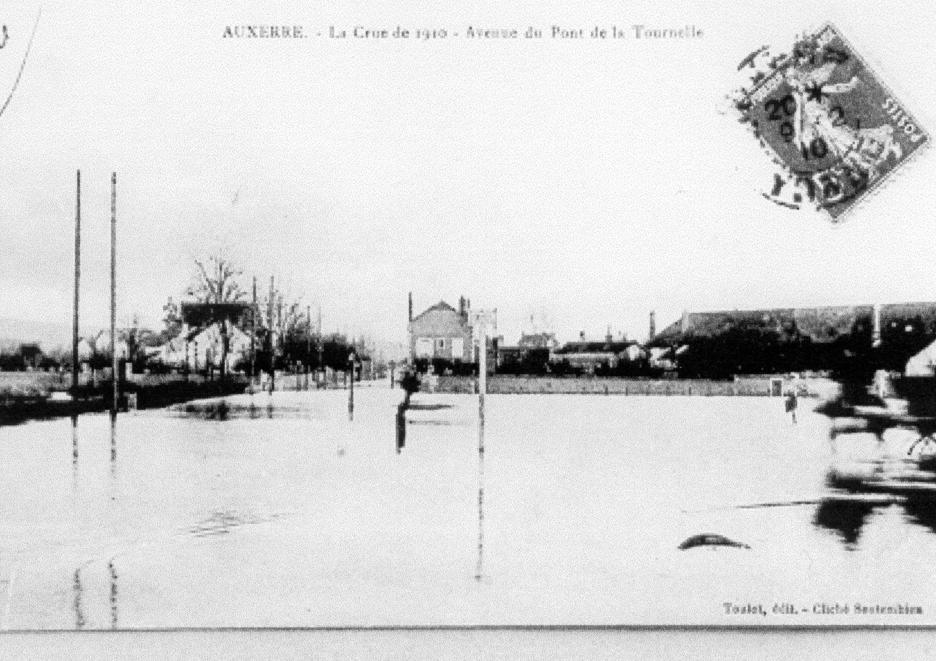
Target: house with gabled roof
x=198 y=348
x=441 y=332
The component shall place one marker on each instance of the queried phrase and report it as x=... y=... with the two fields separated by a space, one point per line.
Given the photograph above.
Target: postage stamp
x=833 y=128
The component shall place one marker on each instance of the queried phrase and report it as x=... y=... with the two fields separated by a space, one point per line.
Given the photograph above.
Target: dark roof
x=30 y=349
x=205 y=314
x=820 y=324
x=441 y=306
x=594 y=347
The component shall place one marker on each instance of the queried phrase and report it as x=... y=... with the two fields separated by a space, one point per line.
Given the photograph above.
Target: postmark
x=833 y=128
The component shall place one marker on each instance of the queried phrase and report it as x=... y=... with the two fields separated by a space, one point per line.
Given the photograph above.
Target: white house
x=203 y=347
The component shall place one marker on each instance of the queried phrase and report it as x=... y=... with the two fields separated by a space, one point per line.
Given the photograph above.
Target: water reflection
x=96 y=493
x=113 y=592
x=922 y=512
x=223 y=522
x=74 y=428
x=224 y=410
x=866 y=487
x=76 y=603
x=94 y=449
x=113 y=443
x=845 y=517
x=80 y=595
x=401 y=427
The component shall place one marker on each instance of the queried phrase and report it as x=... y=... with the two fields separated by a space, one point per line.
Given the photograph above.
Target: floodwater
x=280 y=511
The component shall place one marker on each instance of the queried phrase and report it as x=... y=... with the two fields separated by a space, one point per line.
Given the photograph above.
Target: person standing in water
x=791 y=403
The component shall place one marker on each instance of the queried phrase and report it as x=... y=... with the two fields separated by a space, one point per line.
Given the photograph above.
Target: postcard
x=327 y=316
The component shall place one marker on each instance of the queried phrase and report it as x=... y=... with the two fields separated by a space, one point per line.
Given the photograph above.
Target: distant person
x=410 y=384
x=791 y=404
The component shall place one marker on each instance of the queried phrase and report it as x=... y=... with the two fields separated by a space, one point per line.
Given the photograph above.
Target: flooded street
x=279 y=511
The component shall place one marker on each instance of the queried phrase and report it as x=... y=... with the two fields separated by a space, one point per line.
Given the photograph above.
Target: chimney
x=582 y=335
x=411 y=306
x=461 y=305
x=684 y=322
x=652 y=324
x=608 y=336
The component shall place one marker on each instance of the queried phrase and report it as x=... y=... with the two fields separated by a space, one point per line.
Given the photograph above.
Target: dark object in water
x=209 y=410
x=429 y=407
x=928 y=463
x=410 y=385
x=710 y=539
x=401 y=426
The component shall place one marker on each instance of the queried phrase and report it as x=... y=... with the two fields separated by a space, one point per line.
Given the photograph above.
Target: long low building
x=897 y=337
x=590 y=356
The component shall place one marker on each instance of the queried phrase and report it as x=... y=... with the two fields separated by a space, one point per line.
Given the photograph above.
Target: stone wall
x=760 y=386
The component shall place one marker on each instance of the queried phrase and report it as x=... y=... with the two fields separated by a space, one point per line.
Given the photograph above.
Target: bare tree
x=286 y=325
x=216 y=283
x=136 y=338
x=172 y=321
x=19 y=74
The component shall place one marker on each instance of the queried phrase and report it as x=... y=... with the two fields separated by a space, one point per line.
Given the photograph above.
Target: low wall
x=521 y=385
x=14 y=410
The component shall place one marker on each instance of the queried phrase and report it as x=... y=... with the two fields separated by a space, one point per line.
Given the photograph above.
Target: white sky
x=585 y=183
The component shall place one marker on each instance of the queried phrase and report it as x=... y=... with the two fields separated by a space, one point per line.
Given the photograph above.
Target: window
x=423 y=347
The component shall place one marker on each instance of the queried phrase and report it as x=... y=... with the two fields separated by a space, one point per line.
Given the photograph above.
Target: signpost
x=75 y=359
x=480 y=322
x=113 y=311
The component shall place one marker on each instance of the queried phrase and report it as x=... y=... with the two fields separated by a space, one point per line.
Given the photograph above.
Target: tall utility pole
x=113 y=311
x=481 y=319
x=77 y=281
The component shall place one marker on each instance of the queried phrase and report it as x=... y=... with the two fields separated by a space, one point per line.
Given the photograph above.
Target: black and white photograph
x=518 y=319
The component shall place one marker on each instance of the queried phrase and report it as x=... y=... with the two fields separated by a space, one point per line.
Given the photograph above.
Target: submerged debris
x=710 y=539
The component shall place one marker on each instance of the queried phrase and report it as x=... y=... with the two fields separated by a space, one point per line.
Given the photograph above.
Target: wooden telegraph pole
x=113 y=286
x=481 y=320
x=77 y=281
